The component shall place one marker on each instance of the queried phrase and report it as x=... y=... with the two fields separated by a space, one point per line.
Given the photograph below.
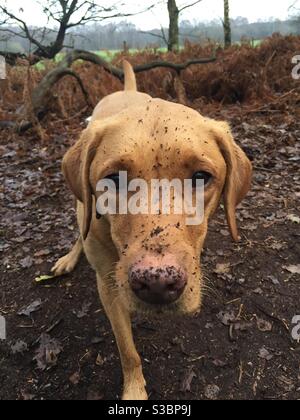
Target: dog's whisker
x=109 y=275
x=208 y=290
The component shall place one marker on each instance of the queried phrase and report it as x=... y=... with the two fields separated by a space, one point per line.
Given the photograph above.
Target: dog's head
x=159 y=264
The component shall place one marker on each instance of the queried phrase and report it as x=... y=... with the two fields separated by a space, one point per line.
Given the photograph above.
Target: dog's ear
x=76 y=168
x=238 y=177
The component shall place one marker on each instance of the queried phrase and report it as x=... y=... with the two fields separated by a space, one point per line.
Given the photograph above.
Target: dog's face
x=159 y=254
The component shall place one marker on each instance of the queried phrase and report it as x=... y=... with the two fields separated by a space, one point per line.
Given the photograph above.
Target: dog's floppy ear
x=238 y=177
x=76 y=168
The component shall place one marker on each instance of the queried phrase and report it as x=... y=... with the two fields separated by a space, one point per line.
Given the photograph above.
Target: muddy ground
x=239 y=347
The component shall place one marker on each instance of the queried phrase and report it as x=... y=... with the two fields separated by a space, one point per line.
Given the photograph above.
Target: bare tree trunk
x=54 y=48
x=227 y=25
x=173 y=44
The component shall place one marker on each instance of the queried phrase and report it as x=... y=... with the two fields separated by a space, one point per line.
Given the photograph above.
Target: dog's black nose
x=157 y=285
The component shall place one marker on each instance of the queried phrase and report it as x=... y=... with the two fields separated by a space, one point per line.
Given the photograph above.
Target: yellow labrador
x=149 y=262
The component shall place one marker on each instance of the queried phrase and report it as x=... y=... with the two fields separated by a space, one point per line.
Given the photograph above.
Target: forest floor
x=59 y=342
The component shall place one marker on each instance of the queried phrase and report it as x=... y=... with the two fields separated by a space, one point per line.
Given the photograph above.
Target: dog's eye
x=201 y=175
x=115 y=178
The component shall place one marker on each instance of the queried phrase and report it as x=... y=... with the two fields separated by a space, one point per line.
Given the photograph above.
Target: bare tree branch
x=189 y=5
x=22 y=25
x=165 y=39
x=292 y=6
x=153 y=34
x=163 y=35
x=66 y=14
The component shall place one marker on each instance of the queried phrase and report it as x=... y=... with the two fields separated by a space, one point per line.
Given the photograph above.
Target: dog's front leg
x=118 y=314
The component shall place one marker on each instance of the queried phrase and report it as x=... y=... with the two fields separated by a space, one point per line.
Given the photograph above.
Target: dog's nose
x=157 y=285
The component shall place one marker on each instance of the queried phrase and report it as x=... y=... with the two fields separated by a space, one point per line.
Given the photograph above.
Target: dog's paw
x=135 y=392
x=64 y=265
x=137 y=395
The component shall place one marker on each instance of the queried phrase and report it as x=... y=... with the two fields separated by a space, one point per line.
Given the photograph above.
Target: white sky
x=206 y=10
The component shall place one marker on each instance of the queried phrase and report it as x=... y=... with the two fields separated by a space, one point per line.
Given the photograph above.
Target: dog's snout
x=157 y=285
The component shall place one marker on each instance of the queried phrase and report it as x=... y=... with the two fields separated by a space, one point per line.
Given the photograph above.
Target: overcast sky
x=206 y=10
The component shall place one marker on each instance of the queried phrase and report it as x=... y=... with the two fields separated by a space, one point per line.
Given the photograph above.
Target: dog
x=149 y=263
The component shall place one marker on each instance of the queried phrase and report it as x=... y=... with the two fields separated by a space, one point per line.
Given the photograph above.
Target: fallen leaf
x=293 y=218
x=265 y=354
x=42 y=253
x=274 y=280
x=33 y=307
x=227 y=318
x=75 y=378
x=46 y=354
x=26 y=262
x=83 y=312
x=264 y=326
x=294 y=269
x=19 y=347
x=26 y=396
x=43 y=278
x=242 y=326
x=212 y=392
x=222 y=268
x=100 y=361
x=187 y=380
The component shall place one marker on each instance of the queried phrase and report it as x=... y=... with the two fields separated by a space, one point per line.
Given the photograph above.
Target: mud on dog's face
x=159 y=255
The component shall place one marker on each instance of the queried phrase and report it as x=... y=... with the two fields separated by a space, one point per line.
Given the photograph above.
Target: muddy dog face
x=159 y=266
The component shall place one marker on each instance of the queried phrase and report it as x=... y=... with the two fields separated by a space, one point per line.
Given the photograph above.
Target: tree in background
x=227 y=25
x=173 y=41
x=62 y=16
x=174 y=13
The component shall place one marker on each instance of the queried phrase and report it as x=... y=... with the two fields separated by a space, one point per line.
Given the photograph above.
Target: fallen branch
x=42 y=93
x=177 y=67
x=117 y=72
